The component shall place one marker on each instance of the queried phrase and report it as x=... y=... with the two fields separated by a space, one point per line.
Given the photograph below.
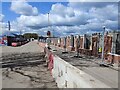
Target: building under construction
x=91 y=45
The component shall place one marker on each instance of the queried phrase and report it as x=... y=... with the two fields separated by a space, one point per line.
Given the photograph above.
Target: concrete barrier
x=0 y=78
x=68 y=76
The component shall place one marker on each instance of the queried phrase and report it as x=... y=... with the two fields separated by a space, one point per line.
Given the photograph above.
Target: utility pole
x=53 y=32
x=9 y=27
x=103 y=45
x=48 y=20
x=49 y=33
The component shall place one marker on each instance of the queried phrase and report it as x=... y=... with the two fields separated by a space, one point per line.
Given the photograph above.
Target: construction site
x=60 y=51
x=66 y=62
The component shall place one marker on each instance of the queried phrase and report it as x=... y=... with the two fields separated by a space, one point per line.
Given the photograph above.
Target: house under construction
x=92 y=45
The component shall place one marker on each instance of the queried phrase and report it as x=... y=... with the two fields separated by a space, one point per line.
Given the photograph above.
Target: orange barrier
x=50 y=63
x=49 y=56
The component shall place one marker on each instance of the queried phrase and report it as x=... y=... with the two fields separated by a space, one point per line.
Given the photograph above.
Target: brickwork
x=95 y=46
x=81 y=42
x=62 y=43
x=85 y=52
x=68 y=43
x=76 y=43
x=55 y=41
x=59 y=41
x=107 y=45
x=113 y=58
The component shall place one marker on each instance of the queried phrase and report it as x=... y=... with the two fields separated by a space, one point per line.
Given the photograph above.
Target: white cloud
x=2 y=24
x=109 y=12
x=33 y=21
x=62 y=10
x=111 y=24
x=22 y=7
x=57 y=19
x=93 y=0
x=1 y=17
x=3 y=28
x=66 y=20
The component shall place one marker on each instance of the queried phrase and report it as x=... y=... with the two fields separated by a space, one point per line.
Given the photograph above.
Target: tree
x=31 y=35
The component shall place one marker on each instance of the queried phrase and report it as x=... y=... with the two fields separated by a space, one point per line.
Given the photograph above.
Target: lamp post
x=48 y=33
x=48 y=20
x=103 y=44
x=9 y=27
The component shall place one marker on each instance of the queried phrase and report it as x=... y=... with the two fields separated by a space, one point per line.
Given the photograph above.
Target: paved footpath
x=21 y=70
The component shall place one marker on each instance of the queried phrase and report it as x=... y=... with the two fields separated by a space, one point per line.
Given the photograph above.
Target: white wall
x=68 y=76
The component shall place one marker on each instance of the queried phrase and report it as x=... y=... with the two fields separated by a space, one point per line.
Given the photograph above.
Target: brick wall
x=107 y=45
x=62 y=42
x=56 y=41
x=81 y=42
x=68 y=43
x=76 y=42
x=114 y=57
x=59 y=41
x=95 y=46
x=96 y=43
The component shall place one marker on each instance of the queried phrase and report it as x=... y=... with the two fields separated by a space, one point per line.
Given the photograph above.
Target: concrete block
x=68 y=76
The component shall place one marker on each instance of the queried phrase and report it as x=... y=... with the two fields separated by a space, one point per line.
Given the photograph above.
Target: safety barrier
x=68 y=76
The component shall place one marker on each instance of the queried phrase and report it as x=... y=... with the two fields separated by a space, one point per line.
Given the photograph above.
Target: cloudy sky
x=65 y=18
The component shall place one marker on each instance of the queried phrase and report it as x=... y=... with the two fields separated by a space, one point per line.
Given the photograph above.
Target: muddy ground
x=91 y=66
x=25 y=69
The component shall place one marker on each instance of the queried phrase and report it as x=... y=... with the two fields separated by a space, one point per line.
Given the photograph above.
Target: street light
x=48 y=41
x=9 y=27
x=103 y=44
